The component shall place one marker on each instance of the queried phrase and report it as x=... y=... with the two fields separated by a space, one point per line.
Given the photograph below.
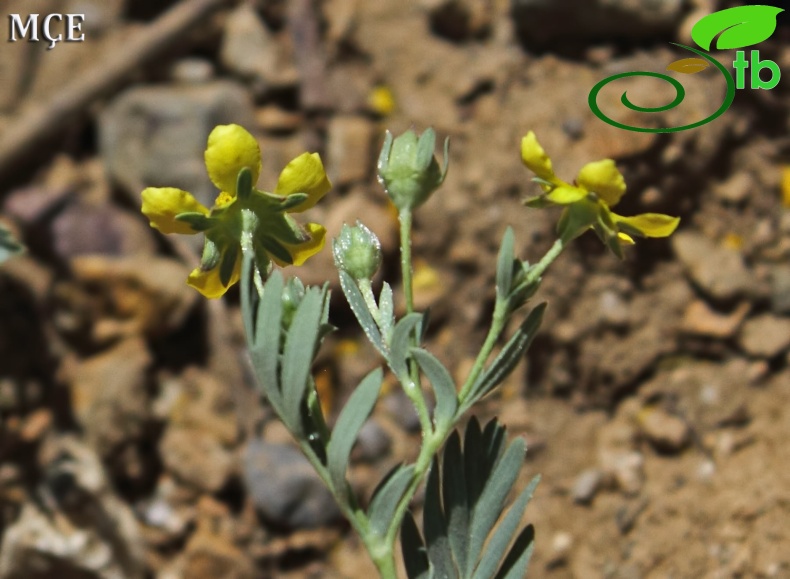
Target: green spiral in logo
x=680 y=94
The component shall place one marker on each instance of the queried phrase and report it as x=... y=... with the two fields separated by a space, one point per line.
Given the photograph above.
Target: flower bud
x=357 y=251
x=408 y=170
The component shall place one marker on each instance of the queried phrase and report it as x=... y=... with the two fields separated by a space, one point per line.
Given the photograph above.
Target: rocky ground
x=654 y=402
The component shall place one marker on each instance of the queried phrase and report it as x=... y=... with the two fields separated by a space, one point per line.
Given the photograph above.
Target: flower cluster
x=243 y=218
x=588 y=201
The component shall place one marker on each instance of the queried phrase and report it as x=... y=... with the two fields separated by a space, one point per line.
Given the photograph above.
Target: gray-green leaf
x=386 y=497
x=360 y=309
x=401 y=341
x=353 y=416
x=443 y=385
x=298 y=354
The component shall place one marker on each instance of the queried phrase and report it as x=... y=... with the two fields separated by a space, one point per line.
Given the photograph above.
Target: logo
x=733 y=28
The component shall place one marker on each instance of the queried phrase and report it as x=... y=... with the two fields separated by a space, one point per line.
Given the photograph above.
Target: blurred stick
x=44 y=120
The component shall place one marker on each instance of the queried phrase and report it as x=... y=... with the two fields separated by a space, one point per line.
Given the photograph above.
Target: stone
x=83 y=229
x=627 y=468
x=765 y=336
x=718 y=271
x=212 y=556
x=196 y=458
x=701 y=320
x=349 y=149
x=373 y=443
x=251 y=51
x=285 y=488
x=667 y=433
x=16 y=63
x=138 y=294
x=109 y=395
x=540 y=22
x=85 y=530
x=156 y=135
x=735 y=189
x=206 y=404
x=780 y=289
x=460 y=20
x=586 y=486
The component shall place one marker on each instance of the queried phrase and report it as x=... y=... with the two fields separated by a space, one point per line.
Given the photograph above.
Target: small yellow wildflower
x=588 y=201
x=233 y=158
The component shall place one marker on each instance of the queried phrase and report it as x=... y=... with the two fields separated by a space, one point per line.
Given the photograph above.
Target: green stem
x=405 y=218
x=501 y=314
x=498 y=321
x=412 y=386
x=537 y=270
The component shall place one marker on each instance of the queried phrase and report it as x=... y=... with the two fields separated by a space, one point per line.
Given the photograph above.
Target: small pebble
x=373 y=443
x=285 y=488
x=586 y=486
x=667 y=433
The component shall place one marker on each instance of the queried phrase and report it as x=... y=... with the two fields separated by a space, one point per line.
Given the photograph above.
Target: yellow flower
x=242 y=219
x=599 y=186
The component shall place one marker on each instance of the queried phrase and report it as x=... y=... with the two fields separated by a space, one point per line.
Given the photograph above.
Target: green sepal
x=538 y=202
x=228 y=263
x=211 y=255
x=293 y=200
x=197 y=221
x=244 y=184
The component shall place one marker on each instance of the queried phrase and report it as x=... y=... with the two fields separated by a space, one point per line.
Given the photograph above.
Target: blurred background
x=654 y=402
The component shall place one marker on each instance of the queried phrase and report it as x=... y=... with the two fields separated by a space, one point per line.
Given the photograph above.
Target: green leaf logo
x=736 y=27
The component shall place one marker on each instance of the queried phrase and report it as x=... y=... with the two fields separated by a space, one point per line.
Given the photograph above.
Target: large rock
x=84 y=529
x=156 y=135
x=718 y=271
x=540 y=22
x=285 y=488
x=109 y=394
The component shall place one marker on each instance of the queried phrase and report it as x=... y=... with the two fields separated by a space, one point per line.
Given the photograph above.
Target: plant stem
x=501 y=314
x=537 y=270
x=412 y=386
x=405 y=218
x=498 y=321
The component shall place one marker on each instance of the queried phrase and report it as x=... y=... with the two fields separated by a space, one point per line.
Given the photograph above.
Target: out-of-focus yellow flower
x=381 y=100
x=599 y=186
x=233 y=160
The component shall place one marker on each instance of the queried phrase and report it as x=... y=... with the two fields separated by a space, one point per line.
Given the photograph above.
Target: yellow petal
x=162 y=204
x=230 y=149
x=208 y=283
x=625 y=239
x=649 y=224
x=535 y=158
x=301 y=252
x=565 y=195
x=305 y=174
x=603 y=178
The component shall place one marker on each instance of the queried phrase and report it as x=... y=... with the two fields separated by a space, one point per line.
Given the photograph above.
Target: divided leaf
x=353 y=416
x=507 y=359
x=298 y=354
x=360 y=309
x=464 y=498
x=401 y=342
x=265 y=348
x=504 y=266
x=386 y=497
x=443 y=385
